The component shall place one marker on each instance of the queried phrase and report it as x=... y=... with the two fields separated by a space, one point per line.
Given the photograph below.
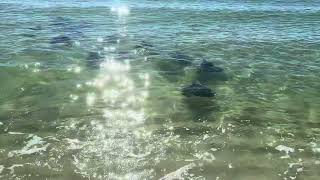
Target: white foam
x=11 y=168
x=206 y=156
x=16 y=133
x=31 y=147
x=285 y=149
x=74 y=144
x=100 y=39
x=74 y=97
x=285 y=156
x=179 y=173
x=315 y=148
x=1 y=123
x=1 y=168
x=206 y=136
x=230 y=166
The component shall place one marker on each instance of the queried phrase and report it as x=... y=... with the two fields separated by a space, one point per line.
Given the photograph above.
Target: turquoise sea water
x=92 y=90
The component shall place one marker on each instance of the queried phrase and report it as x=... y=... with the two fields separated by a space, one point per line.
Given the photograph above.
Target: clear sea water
x=91 y=89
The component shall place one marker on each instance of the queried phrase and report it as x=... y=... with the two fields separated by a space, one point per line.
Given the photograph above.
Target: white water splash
x=285 y=149
x=11 y=168
x=179 y=173
x=1 y=168
x=315 y=148
x=34 y=145
x=206 y=156
x=16 y=133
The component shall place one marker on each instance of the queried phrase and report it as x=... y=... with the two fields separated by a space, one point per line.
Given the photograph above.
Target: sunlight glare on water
x=121 y=10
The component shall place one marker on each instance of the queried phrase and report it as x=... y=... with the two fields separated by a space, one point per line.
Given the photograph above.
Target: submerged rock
x=207 y=66
x=197 y=89
x=61 y=40
x=94 y=59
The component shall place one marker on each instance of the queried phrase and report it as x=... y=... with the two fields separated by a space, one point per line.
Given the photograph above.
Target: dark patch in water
x=60 y=21
x=201 y=108
x=207 y=66
x=28 y=35
x=144 y=44
x=61 y=40
x=209 y=72
x=94 y=59
x=36 y=28
x=197 y=89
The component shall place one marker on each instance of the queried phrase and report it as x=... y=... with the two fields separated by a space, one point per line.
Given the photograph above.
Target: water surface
x=92 y=90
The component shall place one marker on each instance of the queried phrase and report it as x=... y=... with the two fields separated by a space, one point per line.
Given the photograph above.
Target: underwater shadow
x=200 y=108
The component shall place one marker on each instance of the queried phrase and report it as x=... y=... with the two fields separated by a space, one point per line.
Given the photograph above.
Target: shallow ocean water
x=92 y=90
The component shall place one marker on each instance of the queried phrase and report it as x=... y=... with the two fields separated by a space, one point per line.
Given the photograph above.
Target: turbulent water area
x=159 y=89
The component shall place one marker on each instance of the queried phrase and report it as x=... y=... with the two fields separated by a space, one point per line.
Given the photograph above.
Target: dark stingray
x=207 y=66
x=94 y=60
x=199 y=101
x=61 y=40
x=207 y=71
x=201 y=108
x=36 y=28
x=61 y=21
x=197 y=89
x=144 y=44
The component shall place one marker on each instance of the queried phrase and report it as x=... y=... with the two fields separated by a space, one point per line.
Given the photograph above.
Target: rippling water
x=92 y=90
